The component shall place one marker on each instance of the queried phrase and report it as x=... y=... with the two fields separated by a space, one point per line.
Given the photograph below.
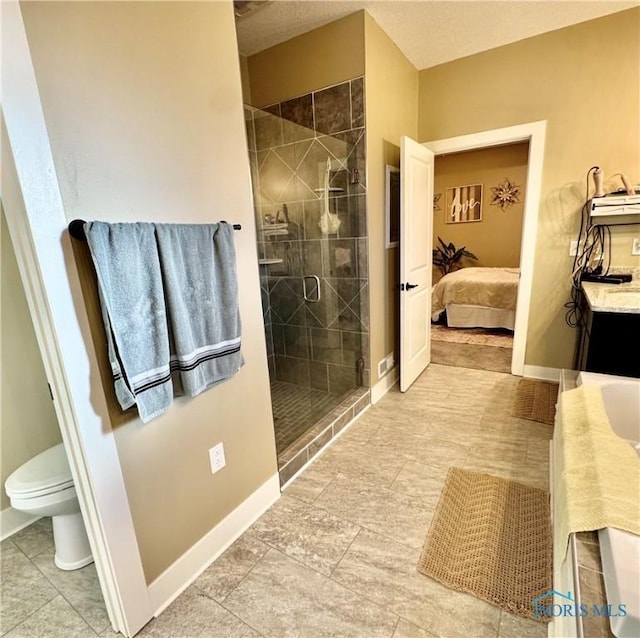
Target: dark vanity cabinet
x=608 y=341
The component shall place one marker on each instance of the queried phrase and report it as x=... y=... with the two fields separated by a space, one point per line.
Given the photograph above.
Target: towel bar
x=76 y=229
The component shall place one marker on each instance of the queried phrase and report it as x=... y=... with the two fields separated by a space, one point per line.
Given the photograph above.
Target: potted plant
x=447 y=257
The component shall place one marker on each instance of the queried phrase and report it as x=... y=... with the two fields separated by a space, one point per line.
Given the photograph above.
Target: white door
x=416 y=233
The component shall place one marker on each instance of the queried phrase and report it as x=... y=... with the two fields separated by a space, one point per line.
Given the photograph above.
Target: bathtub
x=620 y=551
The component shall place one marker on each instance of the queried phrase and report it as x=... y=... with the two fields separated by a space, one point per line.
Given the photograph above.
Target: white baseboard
x=176 y=578
x=542 y=373
x=12 y=521
x=384 y=385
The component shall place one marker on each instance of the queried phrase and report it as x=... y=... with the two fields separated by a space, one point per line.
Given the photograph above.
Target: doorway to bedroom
x=478 y=214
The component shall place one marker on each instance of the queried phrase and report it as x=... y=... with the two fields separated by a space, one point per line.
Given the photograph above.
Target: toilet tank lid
x=47 y=470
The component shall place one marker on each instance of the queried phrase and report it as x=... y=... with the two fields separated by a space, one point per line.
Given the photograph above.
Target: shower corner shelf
x=332 y=189
x=268 y=262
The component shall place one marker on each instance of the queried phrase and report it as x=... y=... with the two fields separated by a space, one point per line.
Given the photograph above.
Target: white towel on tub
x=169 y=301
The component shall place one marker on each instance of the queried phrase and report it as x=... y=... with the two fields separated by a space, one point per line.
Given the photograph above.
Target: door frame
x=38 y=228
x=534 y=133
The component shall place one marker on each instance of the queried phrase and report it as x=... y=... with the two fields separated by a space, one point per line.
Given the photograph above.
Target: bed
x=477 y=298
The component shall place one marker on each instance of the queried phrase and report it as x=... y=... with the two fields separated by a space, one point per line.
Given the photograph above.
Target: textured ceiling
x=427 y=32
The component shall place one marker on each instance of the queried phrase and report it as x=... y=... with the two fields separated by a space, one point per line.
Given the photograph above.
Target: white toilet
x=43 y=486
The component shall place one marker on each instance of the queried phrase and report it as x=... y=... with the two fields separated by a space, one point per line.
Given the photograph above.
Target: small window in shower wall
x=392 y=205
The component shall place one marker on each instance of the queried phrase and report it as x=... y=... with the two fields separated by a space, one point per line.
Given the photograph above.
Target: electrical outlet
x=216 y=458
x=573 y=248
x=635 y=246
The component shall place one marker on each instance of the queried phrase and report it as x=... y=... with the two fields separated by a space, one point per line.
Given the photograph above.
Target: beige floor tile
x=336 y=556
x=80 y=587
x=309 y=485
x=424 y=482
x=386 y=573
x=409 y=630
x=376 y=465
x=392 y=421
x=538 y=450
x=397 y=516
x=524 y=472
x=514 y=627
x=195 y=615
x=360 y=431
x=508 y=448
x=56 y=619
x=231 y=567
x=309 y=534
x=36 y=538
x=285 y=599
x=24 y=588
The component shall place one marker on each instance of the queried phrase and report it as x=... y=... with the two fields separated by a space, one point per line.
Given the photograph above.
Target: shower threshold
x=300 y=432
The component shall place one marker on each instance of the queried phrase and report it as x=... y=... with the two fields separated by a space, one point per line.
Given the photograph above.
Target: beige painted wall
x=564 y=77
x=391 y=94
x=143 y=105
x=325 y=56
x=28 y=423
x=496 y=239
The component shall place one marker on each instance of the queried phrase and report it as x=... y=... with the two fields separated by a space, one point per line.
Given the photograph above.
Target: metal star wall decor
x=505 y=195
x=436 y=201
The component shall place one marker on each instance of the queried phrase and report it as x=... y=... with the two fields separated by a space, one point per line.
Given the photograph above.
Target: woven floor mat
x=491 y=537
x=535 y=400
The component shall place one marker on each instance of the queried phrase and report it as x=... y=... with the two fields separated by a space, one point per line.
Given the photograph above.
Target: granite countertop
x=623 y=298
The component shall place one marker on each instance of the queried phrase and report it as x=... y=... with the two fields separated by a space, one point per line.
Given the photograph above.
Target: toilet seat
x=44 y=474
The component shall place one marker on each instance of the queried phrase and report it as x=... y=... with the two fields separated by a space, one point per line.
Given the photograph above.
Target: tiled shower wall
x=319 y=345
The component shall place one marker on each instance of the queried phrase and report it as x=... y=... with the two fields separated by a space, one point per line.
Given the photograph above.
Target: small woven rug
x=491 y=537
x=535 y=400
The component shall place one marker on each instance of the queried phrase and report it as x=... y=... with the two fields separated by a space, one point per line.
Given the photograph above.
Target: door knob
x=410 y=286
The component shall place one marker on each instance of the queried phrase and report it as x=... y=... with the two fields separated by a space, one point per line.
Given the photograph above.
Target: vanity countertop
x=623 y=298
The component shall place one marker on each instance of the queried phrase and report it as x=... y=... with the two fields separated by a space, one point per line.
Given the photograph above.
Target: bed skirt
x=462 y=316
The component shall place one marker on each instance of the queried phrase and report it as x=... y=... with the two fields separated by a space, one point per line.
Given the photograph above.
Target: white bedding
x=477 y=298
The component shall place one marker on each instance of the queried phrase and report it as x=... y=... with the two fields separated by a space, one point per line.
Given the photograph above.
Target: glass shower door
x=310 y=217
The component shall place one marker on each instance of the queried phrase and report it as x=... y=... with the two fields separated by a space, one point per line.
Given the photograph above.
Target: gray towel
x=126 y=261
x=170 y=309
x=198 y=265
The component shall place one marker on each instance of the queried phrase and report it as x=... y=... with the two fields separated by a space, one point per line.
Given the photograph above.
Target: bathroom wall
x=28 y=423
x=143 y=106
x=318 y=345
x=496 y=239
x=391 y=97
x=563 y=77
x=329 y=55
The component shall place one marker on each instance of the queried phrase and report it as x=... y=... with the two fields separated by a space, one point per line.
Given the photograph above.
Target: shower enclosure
x=308 y=173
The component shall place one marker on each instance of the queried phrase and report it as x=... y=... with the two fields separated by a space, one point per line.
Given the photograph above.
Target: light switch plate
x=635 y=246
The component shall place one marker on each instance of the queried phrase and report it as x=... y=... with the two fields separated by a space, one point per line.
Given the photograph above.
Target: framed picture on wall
x=464 y=204
x=392 y=205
